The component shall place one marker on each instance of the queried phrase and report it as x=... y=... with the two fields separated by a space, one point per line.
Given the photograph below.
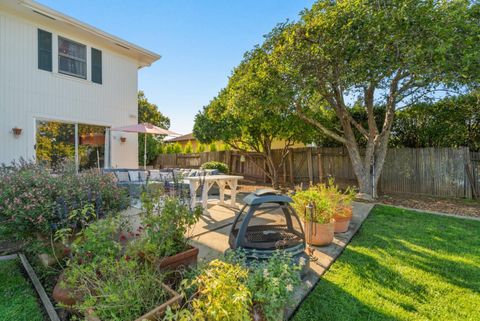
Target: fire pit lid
x=266 y=195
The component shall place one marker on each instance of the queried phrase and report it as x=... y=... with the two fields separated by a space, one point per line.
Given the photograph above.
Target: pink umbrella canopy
x=145 y=128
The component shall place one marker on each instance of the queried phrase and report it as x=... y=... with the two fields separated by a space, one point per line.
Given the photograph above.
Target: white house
x=63 y=84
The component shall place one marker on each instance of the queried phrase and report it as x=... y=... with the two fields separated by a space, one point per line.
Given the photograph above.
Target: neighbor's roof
x=35 y=11
x=181 y=138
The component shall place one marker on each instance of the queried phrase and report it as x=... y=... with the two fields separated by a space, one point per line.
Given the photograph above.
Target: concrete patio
x=211 y=233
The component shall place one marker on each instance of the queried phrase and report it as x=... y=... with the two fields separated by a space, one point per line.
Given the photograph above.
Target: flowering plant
x=34 y=202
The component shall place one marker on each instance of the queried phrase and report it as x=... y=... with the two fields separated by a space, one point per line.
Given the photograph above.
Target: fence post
x=320 y=165
x=290 y=165
x=310 y=165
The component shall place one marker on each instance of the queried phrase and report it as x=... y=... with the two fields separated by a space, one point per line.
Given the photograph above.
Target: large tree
x=253 y=111
x=149 y=113
x=368 y=53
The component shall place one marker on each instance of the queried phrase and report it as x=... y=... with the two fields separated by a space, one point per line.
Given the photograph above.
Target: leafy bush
x=222 y=167
x=164 y=229
x=117 y=289
x=326 y=199
x=188 y=148
x=35 y=202
x=271 y=284
x=222 y=294
x=98 y=241
x=177 y=148
x=238 y=289
x=212 y=147
x=201 y=148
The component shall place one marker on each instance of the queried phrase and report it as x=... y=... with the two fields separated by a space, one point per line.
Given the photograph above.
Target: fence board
x=427 y=171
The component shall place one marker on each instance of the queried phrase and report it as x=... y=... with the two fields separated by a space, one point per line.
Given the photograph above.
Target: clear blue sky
x=200 y=42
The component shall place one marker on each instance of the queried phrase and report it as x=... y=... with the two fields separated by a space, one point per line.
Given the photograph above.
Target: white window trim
x=73 y=58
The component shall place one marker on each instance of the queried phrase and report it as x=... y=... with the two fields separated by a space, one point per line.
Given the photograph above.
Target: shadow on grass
x=332 y=303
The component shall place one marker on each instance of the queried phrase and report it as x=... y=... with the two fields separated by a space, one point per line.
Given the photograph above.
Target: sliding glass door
x=87 y=146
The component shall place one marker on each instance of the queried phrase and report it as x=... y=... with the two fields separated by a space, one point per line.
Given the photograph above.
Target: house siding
x=27 y=93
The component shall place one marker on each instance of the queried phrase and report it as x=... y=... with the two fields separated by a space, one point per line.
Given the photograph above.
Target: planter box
x=184 y=259
x=154 y=314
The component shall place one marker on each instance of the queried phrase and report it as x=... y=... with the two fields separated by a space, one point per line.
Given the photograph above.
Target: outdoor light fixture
x=123 y=139
x=16 y=131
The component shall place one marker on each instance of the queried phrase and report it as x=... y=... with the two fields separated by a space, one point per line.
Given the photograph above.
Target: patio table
x=208 y=181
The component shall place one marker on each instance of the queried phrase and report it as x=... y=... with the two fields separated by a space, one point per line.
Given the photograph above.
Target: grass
x=18 y=300
x=402 y=265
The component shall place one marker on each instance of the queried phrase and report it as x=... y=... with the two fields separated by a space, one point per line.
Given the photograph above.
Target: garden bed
x=402 y=265
x=454 y=206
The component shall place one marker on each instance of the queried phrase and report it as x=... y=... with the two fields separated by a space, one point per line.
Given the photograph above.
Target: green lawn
x=402 y=265
x=18 y=301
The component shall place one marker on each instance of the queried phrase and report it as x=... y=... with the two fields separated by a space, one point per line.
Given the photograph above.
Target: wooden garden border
x=47 y=304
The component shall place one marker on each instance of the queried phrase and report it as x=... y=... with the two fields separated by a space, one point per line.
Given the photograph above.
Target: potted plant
x=317 y=213
x=341 y=202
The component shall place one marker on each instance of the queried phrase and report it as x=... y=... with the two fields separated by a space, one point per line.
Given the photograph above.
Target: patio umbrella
x=145 y=128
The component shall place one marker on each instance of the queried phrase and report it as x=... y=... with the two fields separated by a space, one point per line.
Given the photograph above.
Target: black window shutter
x=96 y=66
x=44 y=50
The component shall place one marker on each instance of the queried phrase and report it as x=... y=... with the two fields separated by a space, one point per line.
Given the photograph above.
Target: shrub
x=222 y=167
x=98 y=241
x=188 y=148
x=34 y=202
x=164 y=230
x=117 y=289
x=212 y=147
x=222 y=294
x=201 y=148
x=271 y=283
x=177 y=148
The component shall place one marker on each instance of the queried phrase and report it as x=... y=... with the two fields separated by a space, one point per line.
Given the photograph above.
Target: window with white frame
x=72 y=58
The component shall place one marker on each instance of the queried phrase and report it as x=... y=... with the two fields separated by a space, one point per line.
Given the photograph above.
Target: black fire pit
x=268 y=223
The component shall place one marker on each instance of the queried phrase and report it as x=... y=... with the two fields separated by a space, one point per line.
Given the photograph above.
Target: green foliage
x=149 y=113
x=18 y=299
x=271 y=284
x=188 y=149
x=451 y=122
x=201 y=148
x=98 y=241
x=164 y=229
x=222 y=167
x=212 y=147
x=326 y=200
x=119 y=289
x=402 y=265
x=222 y=294
x=177 y=148
x=32 y=201
x=169 y=149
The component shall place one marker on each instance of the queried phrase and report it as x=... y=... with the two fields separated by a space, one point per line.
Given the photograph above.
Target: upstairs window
x=44 y=50
x=96 y=66
x=72 y=58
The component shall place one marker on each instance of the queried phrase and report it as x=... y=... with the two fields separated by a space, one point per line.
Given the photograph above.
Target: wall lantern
x=16 y=131
x=123 y=139
x=242 y=158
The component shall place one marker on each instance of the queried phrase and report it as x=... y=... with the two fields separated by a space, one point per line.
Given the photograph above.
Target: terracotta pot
x=64 y=295
x=184 y=259
x=319 y=234
x=155 y=314
x=342 y=221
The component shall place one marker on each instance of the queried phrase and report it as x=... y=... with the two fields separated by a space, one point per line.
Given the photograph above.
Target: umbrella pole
x=145 y=151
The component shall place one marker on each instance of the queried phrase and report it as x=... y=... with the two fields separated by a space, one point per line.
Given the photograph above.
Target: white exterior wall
x=27 y=93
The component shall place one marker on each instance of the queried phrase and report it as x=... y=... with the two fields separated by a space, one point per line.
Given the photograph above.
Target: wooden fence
x=444 y=172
